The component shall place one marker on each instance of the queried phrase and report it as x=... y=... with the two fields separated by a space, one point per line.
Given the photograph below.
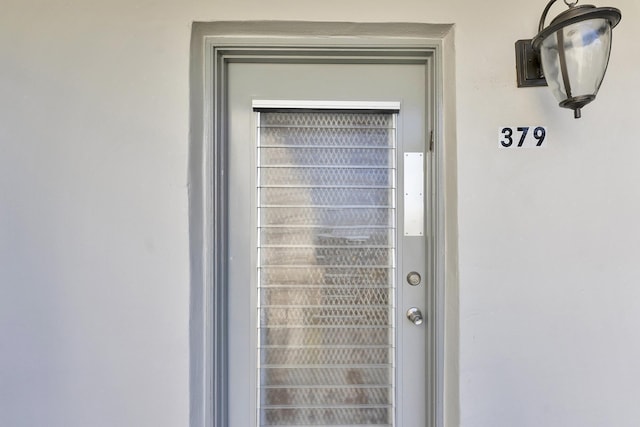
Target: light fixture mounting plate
x=528 y=66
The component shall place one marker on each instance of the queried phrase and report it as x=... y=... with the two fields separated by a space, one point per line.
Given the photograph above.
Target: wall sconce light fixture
x=570 y=55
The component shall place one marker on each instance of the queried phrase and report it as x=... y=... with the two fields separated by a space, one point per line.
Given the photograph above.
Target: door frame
x=216 y=44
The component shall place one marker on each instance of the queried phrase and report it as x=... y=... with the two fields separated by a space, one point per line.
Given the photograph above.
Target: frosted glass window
x=326 y=184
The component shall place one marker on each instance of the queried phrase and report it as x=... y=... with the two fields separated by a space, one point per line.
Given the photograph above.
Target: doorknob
x=415 y=315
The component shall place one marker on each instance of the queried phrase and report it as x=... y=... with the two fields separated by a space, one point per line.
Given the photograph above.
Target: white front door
x=327 y=245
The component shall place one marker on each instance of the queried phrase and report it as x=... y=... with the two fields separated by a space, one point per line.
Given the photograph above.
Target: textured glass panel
x=352 y=218
x=378 y=197
x=325 y=356
x=336 y=256
x=339 y=416
x=326 y=262
x=326 y=396
x=331 y=156
x=326 y=176
x=378 y=376
x=339 y=276
x=349 y=237
x=312 y=336
x=305 y=295
x=345 y=137
x=325 y=316
x=327 y=119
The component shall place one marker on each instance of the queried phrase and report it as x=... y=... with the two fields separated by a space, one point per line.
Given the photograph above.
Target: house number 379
x=522 y=136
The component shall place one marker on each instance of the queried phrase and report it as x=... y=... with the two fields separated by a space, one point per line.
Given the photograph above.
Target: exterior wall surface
x=94 y=251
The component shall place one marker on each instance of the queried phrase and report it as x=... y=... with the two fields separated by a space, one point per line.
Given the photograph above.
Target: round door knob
x=415 y=316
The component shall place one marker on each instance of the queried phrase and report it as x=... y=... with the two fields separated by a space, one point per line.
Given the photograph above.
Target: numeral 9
x=539 y=134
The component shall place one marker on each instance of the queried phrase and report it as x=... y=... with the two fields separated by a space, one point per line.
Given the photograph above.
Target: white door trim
x=325 y=105
x=214 y=45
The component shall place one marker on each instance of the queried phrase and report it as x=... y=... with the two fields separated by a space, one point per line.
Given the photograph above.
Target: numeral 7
x=524 y=131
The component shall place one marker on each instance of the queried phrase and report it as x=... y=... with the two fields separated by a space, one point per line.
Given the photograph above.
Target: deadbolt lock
x=414 y=278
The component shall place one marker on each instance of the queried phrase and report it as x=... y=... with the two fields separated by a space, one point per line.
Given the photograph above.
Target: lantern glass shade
x=574 y=60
